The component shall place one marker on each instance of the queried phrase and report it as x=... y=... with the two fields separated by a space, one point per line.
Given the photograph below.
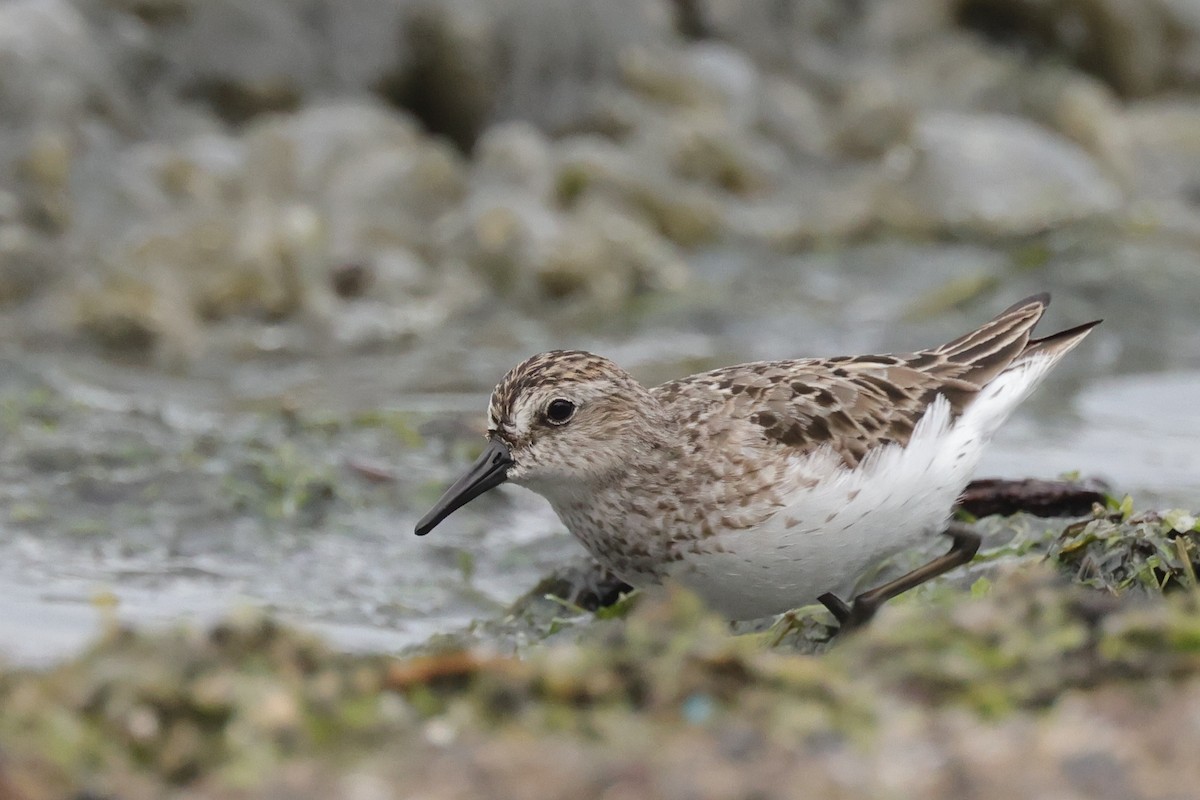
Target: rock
x=775 y=35
x=370 y=190
x=827 y=42
x=603 y=257
x=719 y=156
x=1136 y=46
x=575 y=151
x=599 y=250
x=872 y=117
x=635 y=177
x=382 y=188
x=1088 y=113
x=1166 y=137
x=731 y=76
x=221 y=226
x=830 y=204
x=506 y=221
x=563 y=57
x=55 y=78
x=703 y=77
x=405 y=299
x=446 y=79
x=239 y=59
x=55 y=72
x=791 y=116
x=513 y=156
x=878 y=100
x=992 y=175
x=364 y=41
x=27 y=263
x=469 y=63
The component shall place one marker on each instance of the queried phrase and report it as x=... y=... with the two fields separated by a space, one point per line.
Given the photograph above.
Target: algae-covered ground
x=1070 y=665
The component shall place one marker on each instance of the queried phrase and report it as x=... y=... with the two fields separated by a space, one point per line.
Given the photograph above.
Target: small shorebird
x=763 y=486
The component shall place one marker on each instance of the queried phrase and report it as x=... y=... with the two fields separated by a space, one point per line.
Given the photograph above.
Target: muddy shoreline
x=1029 y=676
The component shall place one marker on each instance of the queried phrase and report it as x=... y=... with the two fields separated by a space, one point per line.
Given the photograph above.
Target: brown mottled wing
x=852 y=404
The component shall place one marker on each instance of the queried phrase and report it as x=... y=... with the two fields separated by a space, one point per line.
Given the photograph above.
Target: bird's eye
x=559 y=411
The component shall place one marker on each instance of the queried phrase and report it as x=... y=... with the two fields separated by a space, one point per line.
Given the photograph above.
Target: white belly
x=829 y=535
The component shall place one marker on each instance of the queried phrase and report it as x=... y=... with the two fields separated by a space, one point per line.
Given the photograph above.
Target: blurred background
x=262 y=261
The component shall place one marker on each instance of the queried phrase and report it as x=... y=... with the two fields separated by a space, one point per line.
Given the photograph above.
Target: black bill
x=489 y=471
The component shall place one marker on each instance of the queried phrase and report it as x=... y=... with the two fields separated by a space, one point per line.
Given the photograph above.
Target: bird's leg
x=860 y=611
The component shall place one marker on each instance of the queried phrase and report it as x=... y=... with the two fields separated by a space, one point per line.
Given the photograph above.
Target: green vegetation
x=235 y=705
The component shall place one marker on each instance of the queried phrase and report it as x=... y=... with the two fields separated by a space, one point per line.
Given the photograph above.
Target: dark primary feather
x=855 y=404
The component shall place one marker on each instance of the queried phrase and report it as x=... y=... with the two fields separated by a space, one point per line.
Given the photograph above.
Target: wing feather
x=851 y=405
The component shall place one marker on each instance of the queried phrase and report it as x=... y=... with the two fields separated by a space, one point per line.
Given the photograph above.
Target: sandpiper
x=768 y=485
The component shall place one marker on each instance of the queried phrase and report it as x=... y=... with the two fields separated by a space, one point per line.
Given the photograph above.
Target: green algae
x=283 y=483
x=1118 y=551
x=247 y=697
x=232 y=702
x=236 y=705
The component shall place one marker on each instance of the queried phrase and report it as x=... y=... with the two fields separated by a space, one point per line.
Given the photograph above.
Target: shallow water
x=156 y=500
x=1136 y=432
x=292 y=481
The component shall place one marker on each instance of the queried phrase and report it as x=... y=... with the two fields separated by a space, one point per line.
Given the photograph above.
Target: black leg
x=858 y=613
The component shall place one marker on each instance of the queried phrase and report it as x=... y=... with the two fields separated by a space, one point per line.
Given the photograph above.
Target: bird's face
x=561 y=423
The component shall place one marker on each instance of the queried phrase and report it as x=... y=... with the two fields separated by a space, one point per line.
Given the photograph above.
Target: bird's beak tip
x=489 y=471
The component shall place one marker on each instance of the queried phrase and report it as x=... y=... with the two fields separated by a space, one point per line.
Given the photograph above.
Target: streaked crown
x=545 y=371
